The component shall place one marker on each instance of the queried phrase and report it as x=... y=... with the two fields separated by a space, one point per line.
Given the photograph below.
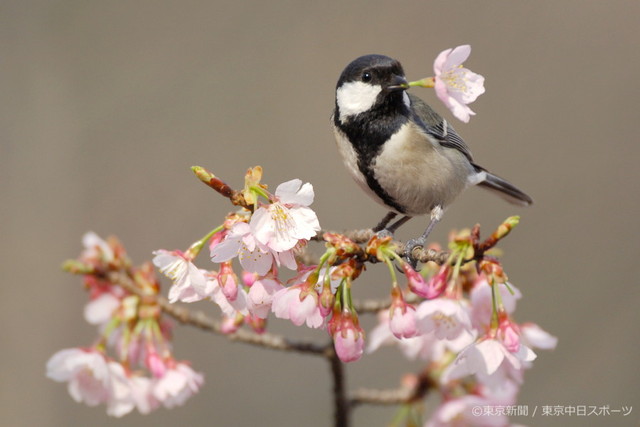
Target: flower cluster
x=130 y=366
x=458 y=317
x=462 y=326
x=264 y=236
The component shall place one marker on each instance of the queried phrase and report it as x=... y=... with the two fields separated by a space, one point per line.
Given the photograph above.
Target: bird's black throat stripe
x=368 y=132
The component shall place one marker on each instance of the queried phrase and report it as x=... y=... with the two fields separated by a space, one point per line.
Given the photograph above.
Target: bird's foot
x=408 y=250
x=384 y=233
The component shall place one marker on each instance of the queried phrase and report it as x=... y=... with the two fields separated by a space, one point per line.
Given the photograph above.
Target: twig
x=362 y=236
x=200 y=320
x=373 y=306
x=398 y=396
x=340 y=402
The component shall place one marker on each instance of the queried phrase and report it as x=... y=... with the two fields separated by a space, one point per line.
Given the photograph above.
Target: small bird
x=400 y=151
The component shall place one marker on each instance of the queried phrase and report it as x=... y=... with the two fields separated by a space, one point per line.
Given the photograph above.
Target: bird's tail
x=502 y=188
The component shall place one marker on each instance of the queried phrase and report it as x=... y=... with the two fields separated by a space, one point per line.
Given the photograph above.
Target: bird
x=400 y=151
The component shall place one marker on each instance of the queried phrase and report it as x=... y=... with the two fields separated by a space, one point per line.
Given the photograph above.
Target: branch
x=200 y=320
x=362 y=236
x=340 y=402
x=398 y=396
x=236 y=197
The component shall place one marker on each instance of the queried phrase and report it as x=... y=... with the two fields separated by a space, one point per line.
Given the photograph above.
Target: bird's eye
x=366 y=77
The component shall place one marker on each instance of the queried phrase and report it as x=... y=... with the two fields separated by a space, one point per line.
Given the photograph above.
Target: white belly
x=416 y=172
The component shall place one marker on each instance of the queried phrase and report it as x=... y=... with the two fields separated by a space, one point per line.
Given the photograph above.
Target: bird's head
x=370 y=82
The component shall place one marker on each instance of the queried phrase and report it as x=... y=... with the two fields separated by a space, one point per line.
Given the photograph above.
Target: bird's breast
x=417 y=172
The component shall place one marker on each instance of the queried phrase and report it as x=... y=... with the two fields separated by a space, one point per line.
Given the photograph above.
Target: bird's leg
x=393 y=227
x=436 y=215
x=383 y=223
x=384 y=230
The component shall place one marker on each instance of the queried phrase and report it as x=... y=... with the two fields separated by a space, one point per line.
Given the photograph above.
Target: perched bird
x=400 y=151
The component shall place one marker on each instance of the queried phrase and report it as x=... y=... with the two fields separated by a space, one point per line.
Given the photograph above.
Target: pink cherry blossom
x=86 y=373
x=121 y=400
x=485 y=356
x=260 y=296
x=509 y=334
x=283 y=223
x=534 y=336
x=431 y=288
x=348 y=336
x=457 y=86
x=298 y=303
x=349 y=344
x=228 y=281
x=142 y=394
x=100 y=309
x=482 y=305
x=189 y=282
x=444 y=317
x=96 y=249
x=230 y=308
x=178 y=384
x=402 y=316
x=254 y=256
x=154 y=363
x=425 y=347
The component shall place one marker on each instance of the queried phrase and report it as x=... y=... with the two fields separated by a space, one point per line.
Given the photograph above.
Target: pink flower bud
x=154 y=363
x=216 y=239
x=430 y=289
x=438 y=283
x=258 y=325
x=231 y=324
x=228 y=281
x=509 y=333
x=402 y=316
x=348 y=336
x=249 y=278
x=327 y=300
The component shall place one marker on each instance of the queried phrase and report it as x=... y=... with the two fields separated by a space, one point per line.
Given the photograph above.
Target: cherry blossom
x=457 y=86
x=254 y=256
x=402 y=316
x=444 y=317
x=85 y=371
x=99 y=310
x=178 y=384
x=189 y=283
x=348 y=336
x=534 y=336
x=485 y=356
x=298 y=303
x=96 y=249
x=281 y=224
x=260 y=296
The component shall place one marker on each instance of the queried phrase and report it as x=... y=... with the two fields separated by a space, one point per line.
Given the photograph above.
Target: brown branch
x=362 y=236
x=201 y=321
x=341 y=404
x=236 y=197
x=398 y=396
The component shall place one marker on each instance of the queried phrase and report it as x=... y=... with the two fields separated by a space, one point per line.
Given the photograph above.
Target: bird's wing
x=438 y=127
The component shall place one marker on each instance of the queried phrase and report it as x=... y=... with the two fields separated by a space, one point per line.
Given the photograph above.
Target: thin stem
x=340 y=402
x=201 y=321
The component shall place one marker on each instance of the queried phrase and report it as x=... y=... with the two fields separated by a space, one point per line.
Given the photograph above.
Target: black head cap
x=374 y=69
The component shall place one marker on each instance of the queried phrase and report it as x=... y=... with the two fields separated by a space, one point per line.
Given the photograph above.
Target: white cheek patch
x=355 y=98
x=406 y=99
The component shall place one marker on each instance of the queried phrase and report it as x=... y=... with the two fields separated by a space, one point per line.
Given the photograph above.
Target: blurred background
x=107 y=105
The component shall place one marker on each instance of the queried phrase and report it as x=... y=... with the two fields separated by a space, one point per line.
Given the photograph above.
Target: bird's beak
x=397 y=83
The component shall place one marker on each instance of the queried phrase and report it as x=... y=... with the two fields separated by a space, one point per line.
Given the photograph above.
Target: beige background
x=105 y=105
